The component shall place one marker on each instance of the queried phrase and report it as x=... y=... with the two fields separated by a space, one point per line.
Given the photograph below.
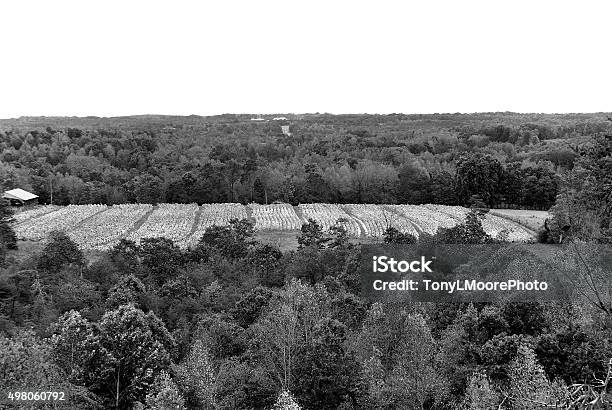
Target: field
x=99 y=227
x=533 y=220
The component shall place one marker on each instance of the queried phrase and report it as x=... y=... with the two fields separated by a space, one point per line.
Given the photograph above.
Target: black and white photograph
x=305 y=205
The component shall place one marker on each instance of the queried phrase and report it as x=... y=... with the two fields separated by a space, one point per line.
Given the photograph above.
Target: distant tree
x=512 y=184
x=539 y=188
x=315 y=187
x=146 y=189
x=476 y=202
x=375 y=182
x=414 y=184
x=481 y=175
x=259 y=192
x=442 y=188
x=468 y=232
x=394 y=235
x=338 y=235
x=311 y=235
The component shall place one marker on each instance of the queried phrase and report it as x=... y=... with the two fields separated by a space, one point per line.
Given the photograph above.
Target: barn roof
x=19 y=194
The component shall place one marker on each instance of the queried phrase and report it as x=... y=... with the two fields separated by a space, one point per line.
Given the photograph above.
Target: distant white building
x=20 y=197
x=279 y=119
x=285 y=129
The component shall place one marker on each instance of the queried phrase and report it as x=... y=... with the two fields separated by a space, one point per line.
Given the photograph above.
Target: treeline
x=341 y=159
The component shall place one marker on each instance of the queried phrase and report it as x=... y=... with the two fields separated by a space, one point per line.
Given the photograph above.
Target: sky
x=110 y=58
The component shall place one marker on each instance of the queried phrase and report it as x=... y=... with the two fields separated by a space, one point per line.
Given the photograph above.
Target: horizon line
x=306 y=113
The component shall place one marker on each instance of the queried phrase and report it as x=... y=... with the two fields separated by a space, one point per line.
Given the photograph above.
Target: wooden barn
x=20 y=197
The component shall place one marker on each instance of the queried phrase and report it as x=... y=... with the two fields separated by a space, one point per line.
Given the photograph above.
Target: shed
x=20 y=197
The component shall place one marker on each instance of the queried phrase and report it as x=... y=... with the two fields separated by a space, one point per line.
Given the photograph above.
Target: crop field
x=99 y=227
x=534 y=220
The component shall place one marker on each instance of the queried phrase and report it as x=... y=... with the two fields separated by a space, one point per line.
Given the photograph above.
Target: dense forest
x=234 y=323
x=504 y=160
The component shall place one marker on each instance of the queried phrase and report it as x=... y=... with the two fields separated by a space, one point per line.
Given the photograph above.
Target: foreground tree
x=397 y=351
x=197 y=376
x=413 y=381
x=8 y=238
x=529 y=387
x=129 y=289
x=325 y=373
x=26 y=360
x=287 y=327
x=161 y=259
x=137 y=346
x=480 y=394
x=119 y=358
x=232 y=241
x=164 y=394
x=286 y=401
x=59 y=251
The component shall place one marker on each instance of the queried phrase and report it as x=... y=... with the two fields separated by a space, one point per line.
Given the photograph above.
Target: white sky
x=111 y=58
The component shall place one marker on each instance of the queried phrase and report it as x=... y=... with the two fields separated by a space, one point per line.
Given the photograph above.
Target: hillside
x=99 y=227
